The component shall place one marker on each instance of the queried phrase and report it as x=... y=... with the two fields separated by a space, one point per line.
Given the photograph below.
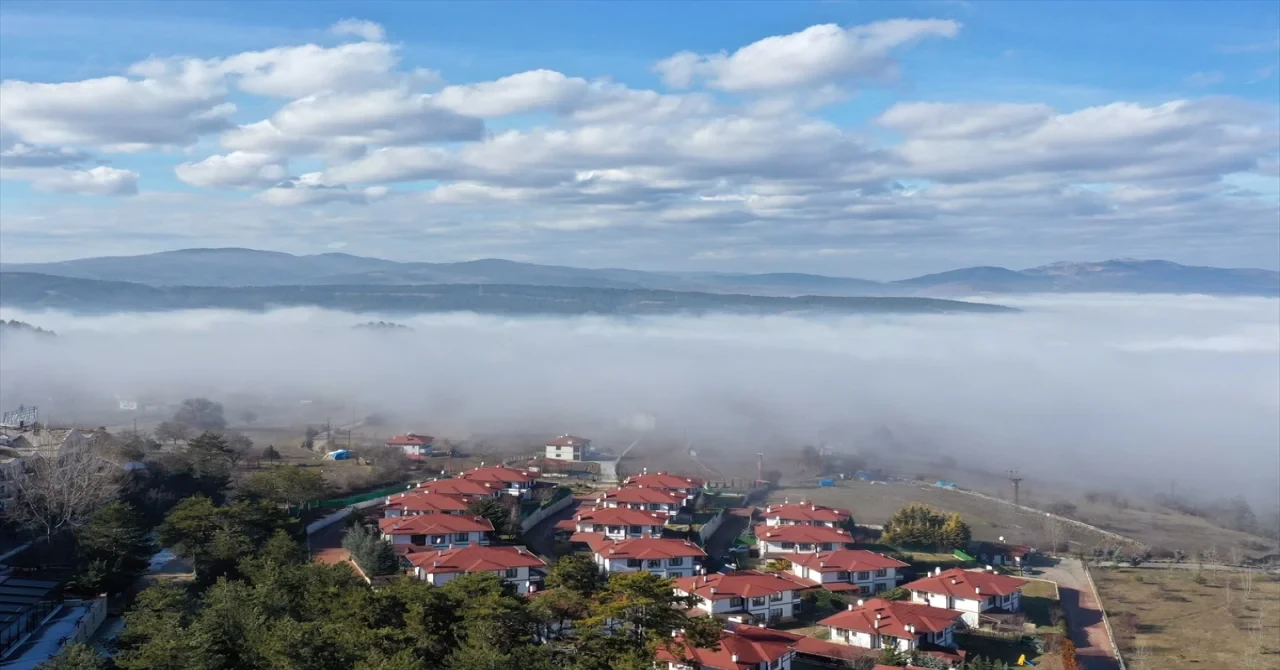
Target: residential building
x=640 y=498
x=415 y=446
x=999 y=553
x=662 y=557
x=439 y=531
x=569 y=448
x=745 y=596
x=879 y=624
x=972 y=592
x=806 y=514
x=801 y=539
x=462 y=489
x=510 y=480
x=418 y=502
x=690 y=486
x=619 y=523
x=865 y=572
x=515 y=565
x=742 y=648
x=12 y=469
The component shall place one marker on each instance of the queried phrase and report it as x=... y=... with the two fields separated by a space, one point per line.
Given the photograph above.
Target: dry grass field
x=1187 y=619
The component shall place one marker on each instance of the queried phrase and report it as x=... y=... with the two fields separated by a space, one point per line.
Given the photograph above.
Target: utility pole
x=759 y=467
x=1017 y=482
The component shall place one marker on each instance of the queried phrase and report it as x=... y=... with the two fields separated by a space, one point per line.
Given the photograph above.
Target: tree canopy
x=918 y=525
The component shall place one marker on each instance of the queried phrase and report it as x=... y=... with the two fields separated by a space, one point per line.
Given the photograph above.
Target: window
x=439 y=539
x=842 y=576
x=512 y=573
x=635 y=530
x=655 y=562
x=880 y=586
x=460 y=537
x=736 y=602
x=775 y=597
x=757 y=602
x=864 y=576
x=597 y=528
x=864 y=590
x=882 y=572
x=788 y=545
x=418 y=539
x=826 y=546
x=675 y=561
x=615 y=529
x=633 y=562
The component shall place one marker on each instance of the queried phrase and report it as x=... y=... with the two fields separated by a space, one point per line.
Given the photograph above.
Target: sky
x=878 y=140
x=1117 y=391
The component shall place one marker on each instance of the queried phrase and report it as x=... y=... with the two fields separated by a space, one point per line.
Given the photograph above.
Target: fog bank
x=1120 y=388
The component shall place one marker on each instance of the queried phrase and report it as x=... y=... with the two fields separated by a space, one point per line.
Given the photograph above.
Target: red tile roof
x=846 y=560
x=649 y=547
x=663 y=480
x=411 y=439
x=743 y=648
x=475 y=559
x=969 y=585
x=807 y=511
x=740 y=584
x=499 y=475
x=897 y=619
x=425 y=502
x=802 y=534
x=434 y=524
x=568 y=441
x=621 y=516
x=460 y=488
x=640 y=495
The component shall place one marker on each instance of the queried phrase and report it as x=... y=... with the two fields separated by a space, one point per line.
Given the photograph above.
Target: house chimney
x=876 y=624
x=977 y=590
x=822 y=564
x=937 y=570
x=851 y=606
x=861 y=602
x=990 y=569
x=713 y=590
x=953 y=581
x=734 y=658
x=911 y=628
x=675 y=633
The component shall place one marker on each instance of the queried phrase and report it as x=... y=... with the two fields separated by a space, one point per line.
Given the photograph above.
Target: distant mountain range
x=253 y=268
x=40 y=291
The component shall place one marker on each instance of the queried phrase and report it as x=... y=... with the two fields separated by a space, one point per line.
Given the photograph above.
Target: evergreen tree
x=75 y=656
x=955 y=533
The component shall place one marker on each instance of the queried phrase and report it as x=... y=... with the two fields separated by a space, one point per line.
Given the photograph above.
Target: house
x=806 y=514
x=568 y=448
x=849 y=570
x=745 y=594
x=801 y=539
x=662 y=557
x=439 y=531
x=12 y=469
x=462 y=489
x=879 y=624
x=417 y=502
x=640 y=498
x=415 y=446
x=515 y=565
x=511 y=481
x=620 y=523
x=743 y=648
x=999 y=553
x=690 y=486
x=972 y=592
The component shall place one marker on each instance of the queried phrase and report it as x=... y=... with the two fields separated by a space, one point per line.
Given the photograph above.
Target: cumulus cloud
x=816 y=55
x=238 y=169
x=26 y=156
x=1126 y=391
x=310 y=189
x=101 y=180
x=365 y=30
x=592 y=101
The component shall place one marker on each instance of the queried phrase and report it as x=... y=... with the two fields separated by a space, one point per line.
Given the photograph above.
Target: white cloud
x=238 y=169
x=818 y=54
x=366 y=30
x=25 y=155
x=309 y=189
x=1205 y=78
x=575 y=97
x=101 y=180
x=293 y=72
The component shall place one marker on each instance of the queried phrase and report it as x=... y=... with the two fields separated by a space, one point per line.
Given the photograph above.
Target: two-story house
x=880 y=624
x=801 y=539
x=620 y=523
x=663 y=557
x=414 y=446
x=849 y=570
x=438 y=531
x=972 y=592
x=645 y=499
x=743 y=648
x=515 y=565
x=511 y=481
x=691 y=487
x=463 y=489
x=569 y=448
x=806 y=514
x=745 y=596
x=418 y=502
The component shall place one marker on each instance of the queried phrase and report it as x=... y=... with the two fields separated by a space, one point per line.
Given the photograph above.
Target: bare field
x=1172 y=619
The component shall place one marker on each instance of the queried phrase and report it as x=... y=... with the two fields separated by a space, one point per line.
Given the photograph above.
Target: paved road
x=1084 y=616
x=718 y=544
x=541 y=539
x=326 y=544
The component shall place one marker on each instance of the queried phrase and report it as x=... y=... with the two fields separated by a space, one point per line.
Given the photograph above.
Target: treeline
x=16 y=326
x=919 y=525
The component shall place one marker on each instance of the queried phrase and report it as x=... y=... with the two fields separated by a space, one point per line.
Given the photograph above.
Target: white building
x=414 y=503
x=569 y=448
x=806 y=514
x=691 y=487
x=880 y=624
x=510 y=480
x=853 y=570
x=438 y=531
x=415 y=446
x=619 y=523
x=801 y=539
x=742 y=648
x=515 y=565
x=663 y=557
x=971 y=592
x=640 y=498
x=745 y=596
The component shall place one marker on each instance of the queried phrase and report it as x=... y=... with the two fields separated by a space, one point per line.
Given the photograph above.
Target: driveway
x=326 y=544
x=541 y=539
x=1084 y=616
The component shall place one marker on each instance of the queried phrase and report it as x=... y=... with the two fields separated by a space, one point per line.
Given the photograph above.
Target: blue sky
x=907 y=137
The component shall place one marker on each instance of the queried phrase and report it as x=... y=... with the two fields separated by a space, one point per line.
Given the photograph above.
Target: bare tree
x=59 y=492
x=172 y=431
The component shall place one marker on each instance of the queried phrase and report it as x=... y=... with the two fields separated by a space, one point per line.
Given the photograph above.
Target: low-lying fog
x=1140 y=389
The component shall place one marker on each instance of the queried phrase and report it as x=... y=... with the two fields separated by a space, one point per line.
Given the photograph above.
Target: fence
x=1106 y=620
x=341 y=514
x=562 y=499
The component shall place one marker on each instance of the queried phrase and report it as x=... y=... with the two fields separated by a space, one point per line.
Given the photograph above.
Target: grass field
x=1174 y=619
